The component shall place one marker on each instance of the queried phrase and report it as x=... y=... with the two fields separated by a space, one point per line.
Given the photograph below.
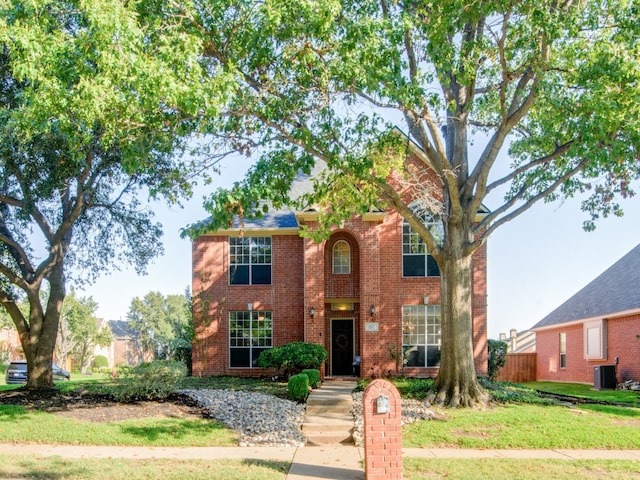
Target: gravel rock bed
x=412 y=411
x=265 y=420
x=261 y=420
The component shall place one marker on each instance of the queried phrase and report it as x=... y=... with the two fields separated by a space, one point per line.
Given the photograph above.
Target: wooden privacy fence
x=519 y=367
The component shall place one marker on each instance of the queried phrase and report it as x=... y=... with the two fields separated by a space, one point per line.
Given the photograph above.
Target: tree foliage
x=163 y=323
x=497 y=357
x=80 y=331
x=96 y=99
x=513 y=102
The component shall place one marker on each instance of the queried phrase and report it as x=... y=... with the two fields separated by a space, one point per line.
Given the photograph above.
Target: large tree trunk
x=457 y=383
x=39 y=340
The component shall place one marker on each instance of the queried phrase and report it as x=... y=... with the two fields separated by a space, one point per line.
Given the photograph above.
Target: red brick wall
x=621 y=342
x=302 y=278
x=214 y=298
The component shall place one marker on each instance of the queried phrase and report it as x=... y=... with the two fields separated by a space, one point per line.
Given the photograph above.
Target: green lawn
x=510 y=425
x=530 y=426
x=586 y=391
x=20 y=425
x=20 y=466
x=482 y=469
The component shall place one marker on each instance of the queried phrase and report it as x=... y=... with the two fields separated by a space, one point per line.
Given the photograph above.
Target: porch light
x=372 y=310
x=312 y=312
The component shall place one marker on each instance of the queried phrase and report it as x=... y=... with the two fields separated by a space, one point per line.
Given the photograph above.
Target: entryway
x=342 y=347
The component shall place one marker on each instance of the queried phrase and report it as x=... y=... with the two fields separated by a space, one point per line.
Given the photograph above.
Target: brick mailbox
x=382 y=431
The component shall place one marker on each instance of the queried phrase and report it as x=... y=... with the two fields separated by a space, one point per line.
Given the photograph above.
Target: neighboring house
x=520 y=342
x=366 y=293
x=125 y=349
x=599 y=325
x=10 y=347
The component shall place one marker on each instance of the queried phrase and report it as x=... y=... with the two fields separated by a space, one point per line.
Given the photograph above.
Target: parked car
x=17 y=372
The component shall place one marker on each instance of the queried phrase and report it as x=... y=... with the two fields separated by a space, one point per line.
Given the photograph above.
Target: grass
x=530 y=426
x=481 y=469
x=521 y=421
x=24 y=426
x=21 y=466
x=586 y=391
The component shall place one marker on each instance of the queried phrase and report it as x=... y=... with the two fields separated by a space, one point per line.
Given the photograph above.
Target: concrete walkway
x=343 y=456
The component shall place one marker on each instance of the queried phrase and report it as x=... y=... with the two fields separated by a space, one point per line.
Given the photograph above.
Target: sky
x=535 y=262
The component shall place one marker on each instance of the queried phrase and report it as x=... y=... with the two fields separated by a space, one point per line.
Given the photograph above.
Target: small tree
x=293 y=357
x=497 y=357
x=80 y=331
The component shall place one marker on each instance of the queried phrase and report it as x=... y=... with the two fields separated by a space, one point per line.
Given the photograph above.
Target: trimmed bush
x=100 y=361
x=298 y=387
x=293 y=357
x=314 y=376
x=148 y=381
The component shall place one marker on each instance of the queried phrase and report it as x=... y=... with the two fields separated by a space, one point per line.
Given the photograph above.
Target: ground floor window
x=563 y=350
x=421 y=335
x=250 y=332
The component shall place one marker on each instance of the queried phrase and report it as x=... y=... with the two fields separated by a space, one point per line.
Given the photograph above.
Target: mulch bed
x=92 y=407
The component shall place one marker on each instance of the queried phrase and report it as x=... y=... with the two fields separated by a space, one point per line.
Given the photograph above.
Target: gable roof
x=616 y=290
x=284 y=217
x=121 y=329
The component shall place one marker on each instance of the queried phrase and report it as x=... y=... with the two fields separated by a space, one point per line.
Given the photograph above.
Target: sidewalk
x=343 y=462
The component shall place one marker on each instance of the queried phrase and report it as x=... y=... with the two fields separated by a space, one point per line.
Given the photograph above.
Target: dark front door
x=342 y=347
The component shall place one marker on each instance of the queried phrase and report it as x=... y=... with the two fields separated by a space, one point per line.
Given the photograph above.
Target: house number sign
x=371 y=327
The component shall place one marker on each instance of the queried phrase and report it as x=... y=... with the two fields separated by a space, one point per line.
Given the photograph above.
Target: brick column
x=382 y=431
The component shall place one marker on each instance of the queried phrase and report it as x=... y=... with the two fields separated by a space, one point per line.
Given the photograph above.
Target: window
x=421 y=335
x=416 y=262
x=563 y=350
x=341 y=257
x=595 y=340
x=249 y=334
x=250 y=260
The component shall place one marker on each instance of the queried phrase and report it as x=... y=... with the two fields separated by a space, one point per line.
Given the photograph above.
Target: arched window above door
x=341 y=257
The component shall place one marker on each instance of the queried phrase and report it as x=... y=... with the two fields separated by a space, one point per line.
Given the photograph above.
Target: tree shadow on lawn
x=613 y=410
x=178 y=428
x=11 y=413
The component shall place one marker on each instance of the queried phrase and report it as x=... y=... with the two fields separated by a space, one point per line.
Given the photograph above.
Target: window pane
x=413 y=266
x=413 y=356
x=261 y=274
x=341 y=258
x=239 y=275
x=432 y=267
x=240 y=357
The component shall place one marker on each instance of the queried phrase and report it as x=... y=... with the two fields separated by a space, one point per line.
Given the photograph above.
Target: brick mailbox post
x=382 y=431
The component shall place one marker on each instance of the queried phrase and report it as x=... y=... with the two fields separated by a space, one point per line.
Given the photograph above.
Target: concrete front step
x=328 y=419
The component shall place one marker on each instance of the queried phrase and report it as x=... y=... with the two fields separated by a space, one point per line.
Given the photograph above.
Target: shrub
x=298 y=387
x=148 y=381
x=314 y=376
x=497 y=357
x=293 y=357
x=100 y=361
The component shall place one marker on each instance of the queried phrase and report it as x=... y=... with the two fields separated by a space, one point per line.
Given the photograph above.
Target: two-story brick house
x=368 y=293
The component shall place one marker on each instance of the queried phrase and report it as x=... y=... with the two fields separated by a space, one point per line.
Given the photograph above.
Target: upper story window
x=341 y=257
x=250 y=260
x=416 y=261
